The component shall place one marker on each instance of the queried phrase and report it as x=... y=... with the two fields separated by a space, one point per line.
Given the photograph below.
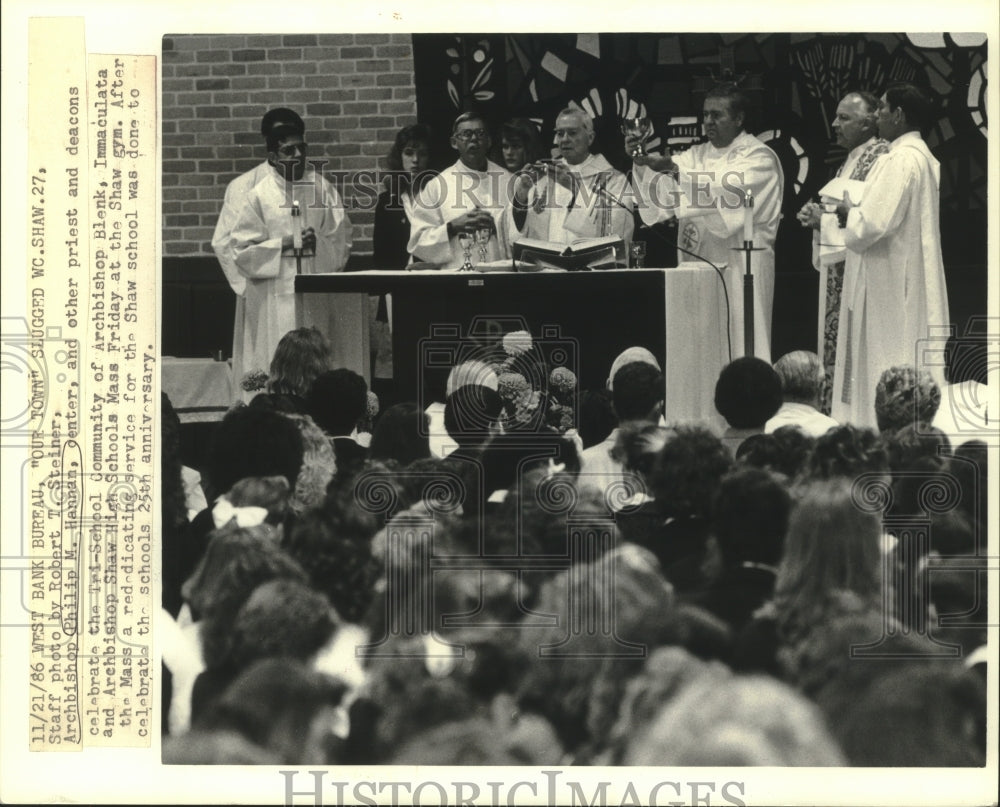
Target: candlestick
x=748 y=216
x=296 y=229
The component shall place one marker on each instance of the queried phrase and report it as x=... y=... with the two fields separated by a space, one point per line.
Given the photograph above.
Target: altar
x=588 y=318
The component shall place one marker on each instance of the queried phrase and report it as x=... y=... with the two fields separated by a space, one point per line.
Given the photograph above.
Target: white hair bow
x=224 y=512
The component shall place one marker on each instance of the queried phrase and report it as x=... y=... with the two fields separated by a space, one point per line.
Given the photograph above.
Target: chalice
x=637 y=127
x=483 y=235
x=466 y=240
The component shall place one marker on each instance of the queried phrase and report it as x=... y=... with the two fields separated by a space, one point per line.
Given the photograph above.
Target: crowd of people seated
x=628 y=590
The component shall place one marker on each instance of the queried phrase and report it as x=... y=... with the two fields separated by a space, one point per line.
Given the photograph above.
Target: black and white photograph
x=571 y=488
x=545 y=412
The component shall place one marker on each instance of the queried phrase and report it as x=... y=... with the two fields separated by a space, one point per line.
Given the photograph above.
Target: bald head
x=855 y=121
x=628 y=356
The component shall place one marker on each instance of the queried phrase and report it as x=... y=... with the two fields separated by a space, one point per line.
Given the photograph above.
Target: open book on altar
x=578 y=255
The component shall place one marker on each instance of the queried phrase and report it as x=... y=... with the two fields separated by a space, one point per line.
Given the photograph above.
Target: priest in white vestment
x=468 y=196
x=894 y=295
x=264 y=241
x=704 y=188
x=575 y=198
x=856 y=130
x=279 y=120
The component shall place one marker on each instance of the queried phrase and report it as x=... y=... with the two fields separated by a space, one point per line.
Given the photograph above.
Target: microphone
x=722 y=279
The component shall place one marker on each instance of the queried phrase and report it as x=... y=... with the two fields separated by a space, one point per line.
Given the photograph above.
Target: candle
x=748 y=216
x=296 y=228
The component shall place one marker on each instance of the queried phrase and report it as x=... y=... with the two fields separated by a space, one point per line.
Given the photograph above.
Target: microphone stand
x=748 y=316
x=297 y=236
x=722 y=278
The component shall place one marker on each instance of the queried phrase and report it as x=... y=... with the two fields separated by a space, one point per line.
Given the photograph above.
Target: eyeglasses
x=291 y=149
x=468 y=134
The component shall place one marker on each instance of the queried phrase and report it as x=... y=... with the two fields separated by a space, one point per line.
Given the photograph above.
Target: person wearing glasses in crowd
x=290 y=220
x=464 y=198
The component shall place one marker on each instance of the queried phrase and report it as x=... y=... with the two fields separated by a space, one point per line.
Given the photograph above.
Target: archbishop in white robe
x=829 y=252
x=894 y=284
x=455 y=191
x=264 y=221
x=557 y=214
x=707 y=200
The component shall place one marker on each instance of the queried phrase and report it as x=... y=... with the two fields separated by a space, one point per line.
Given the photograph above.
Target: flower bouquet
x=534 y=397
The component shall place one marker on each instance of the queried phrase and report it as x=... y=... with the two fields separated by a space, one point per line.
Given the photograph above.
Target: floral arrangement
x=517 y=343
x=371 y=405
x=562 y=395
x=513 y=388
x=520 y=401
x=254 y=380
x=563 y=381
x=534 y=398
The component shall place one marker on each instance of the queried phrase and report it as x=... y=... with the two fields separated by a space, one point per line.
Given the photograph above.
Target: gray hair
x=585 y=120
x=466 y=117
x=802 y=375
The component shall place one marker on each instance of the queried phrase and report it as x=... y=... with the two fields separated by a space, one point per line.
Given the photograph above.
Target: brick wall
x=354 y=91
